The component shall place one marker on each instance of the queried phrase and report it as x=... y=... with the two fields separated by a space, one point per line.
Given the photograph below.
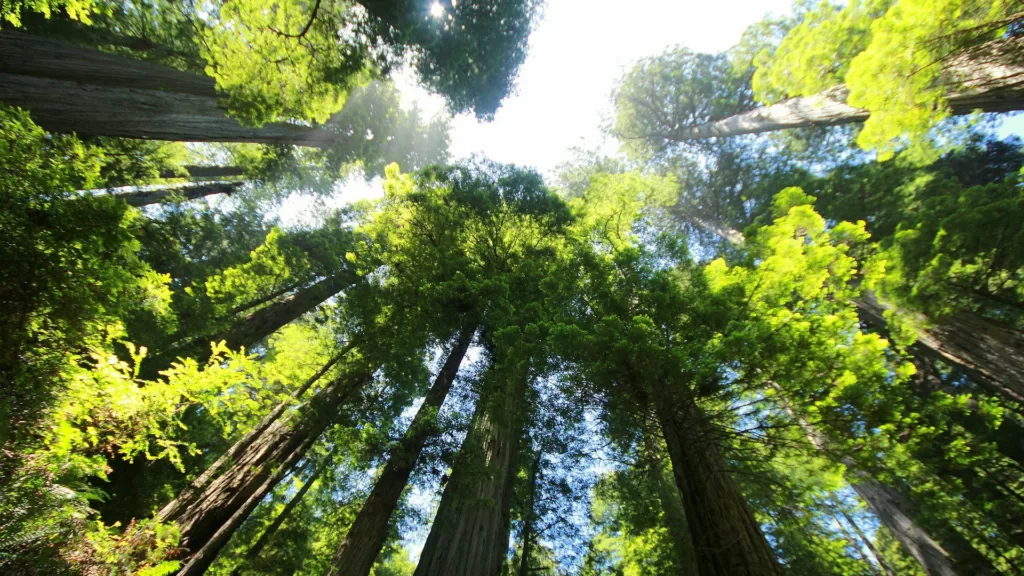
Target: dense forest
x=778 y=331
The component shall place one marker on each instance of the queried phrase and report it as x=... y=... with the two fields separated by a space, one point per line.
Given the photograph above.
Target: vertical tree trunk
x=261 y=543
x=530 y=516
x=368 y=533
x=141 y=198
x=727 y=539
x=469 y=536
x=885 y=502
x=207 y=517
x=70 y=88
x=671 y=504
x=195 y=489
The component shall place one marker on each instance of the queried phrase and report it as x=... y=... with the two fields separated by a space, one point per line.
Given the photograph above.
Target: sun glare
x=436 y=10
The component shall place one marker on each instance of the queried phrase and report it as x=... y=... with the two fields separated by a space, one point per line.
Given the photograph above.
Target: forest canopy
x=777 y=328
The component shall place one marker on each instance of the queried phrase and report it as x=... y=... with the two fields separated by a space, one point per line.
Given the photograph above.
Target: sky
x=576 y=53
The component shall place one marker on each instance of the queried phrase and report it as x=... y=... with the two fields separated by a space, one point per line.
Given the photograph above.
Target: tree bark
x=261 y=323
x=194 y=490
x=261 y=543
x=141 y=198
x=530 y=515
x=875 y=553
x=989 y=77
x=470 y=533
x=70 y=88
x=368 y=533
x=205 y=172
x=886 y=504
x=727 y=540
x=989 y=353
x=206 y=519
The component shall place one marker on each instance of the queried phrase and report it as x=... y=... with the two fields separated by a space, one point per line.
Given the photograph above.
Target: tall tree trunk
x=261 y=323
x=530 y=516
x=727 y=539
x=141 y=198
x=671 y=504
x=70 y=88
x=986 y=351
x=206 y=519
x=368 y=533
x=470 y=533
x=887 y=505
x=194 y=490
x=206 y=172
x=261 y=543
x=875 y=553
x=989 y=77
x=885 y=502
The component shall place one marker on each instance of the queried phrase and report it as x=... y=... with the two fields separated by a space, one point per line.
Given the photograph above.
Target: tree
x=893 y=65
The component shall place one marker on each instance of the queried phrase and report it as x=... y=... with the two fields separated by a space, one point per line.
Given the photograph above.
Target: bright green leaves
x=892 y=57
x=284 y=59
x=613 y=205
x=815 y=55
x=10 y=11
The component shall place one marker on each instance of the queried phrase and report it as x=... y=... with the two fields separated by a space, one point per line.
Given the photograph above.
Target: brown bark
x=261 y=323
x=70 y=88
x=989 y=353
x=261 y=543
x=531 y=516
x=886 y=504
x=147 y=197
x=204 y=172
x=208 y=518
x=727 y=540
x=989 y=77
x=470 y=533
x=368 y=533
x=194 y=490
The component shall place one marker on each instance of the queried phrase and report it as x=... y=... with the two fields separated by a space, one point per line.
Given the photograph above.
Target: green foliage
x=470 y=52
x=54 y=317
x=11 y=12
x=889 y=54
x=277 y=60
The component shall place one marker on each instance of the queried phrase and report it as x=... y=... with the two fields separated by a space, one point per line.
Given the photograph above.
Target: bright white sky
x=577 y=51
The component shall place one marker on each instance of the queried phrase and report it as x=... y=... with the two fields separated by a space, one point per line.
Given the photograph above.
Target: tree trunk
x=986 y=351
x=727 y=539
x=261 y=323
x=885 y=503
x=531 y=517
x=70 y=88
x=989 y=77
x=368 y=533
x=193 y=491
x=255 y=550
x=470 y=533
x=206 y=519
x=140 y=198
x=875 y=553
x=206 y=172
